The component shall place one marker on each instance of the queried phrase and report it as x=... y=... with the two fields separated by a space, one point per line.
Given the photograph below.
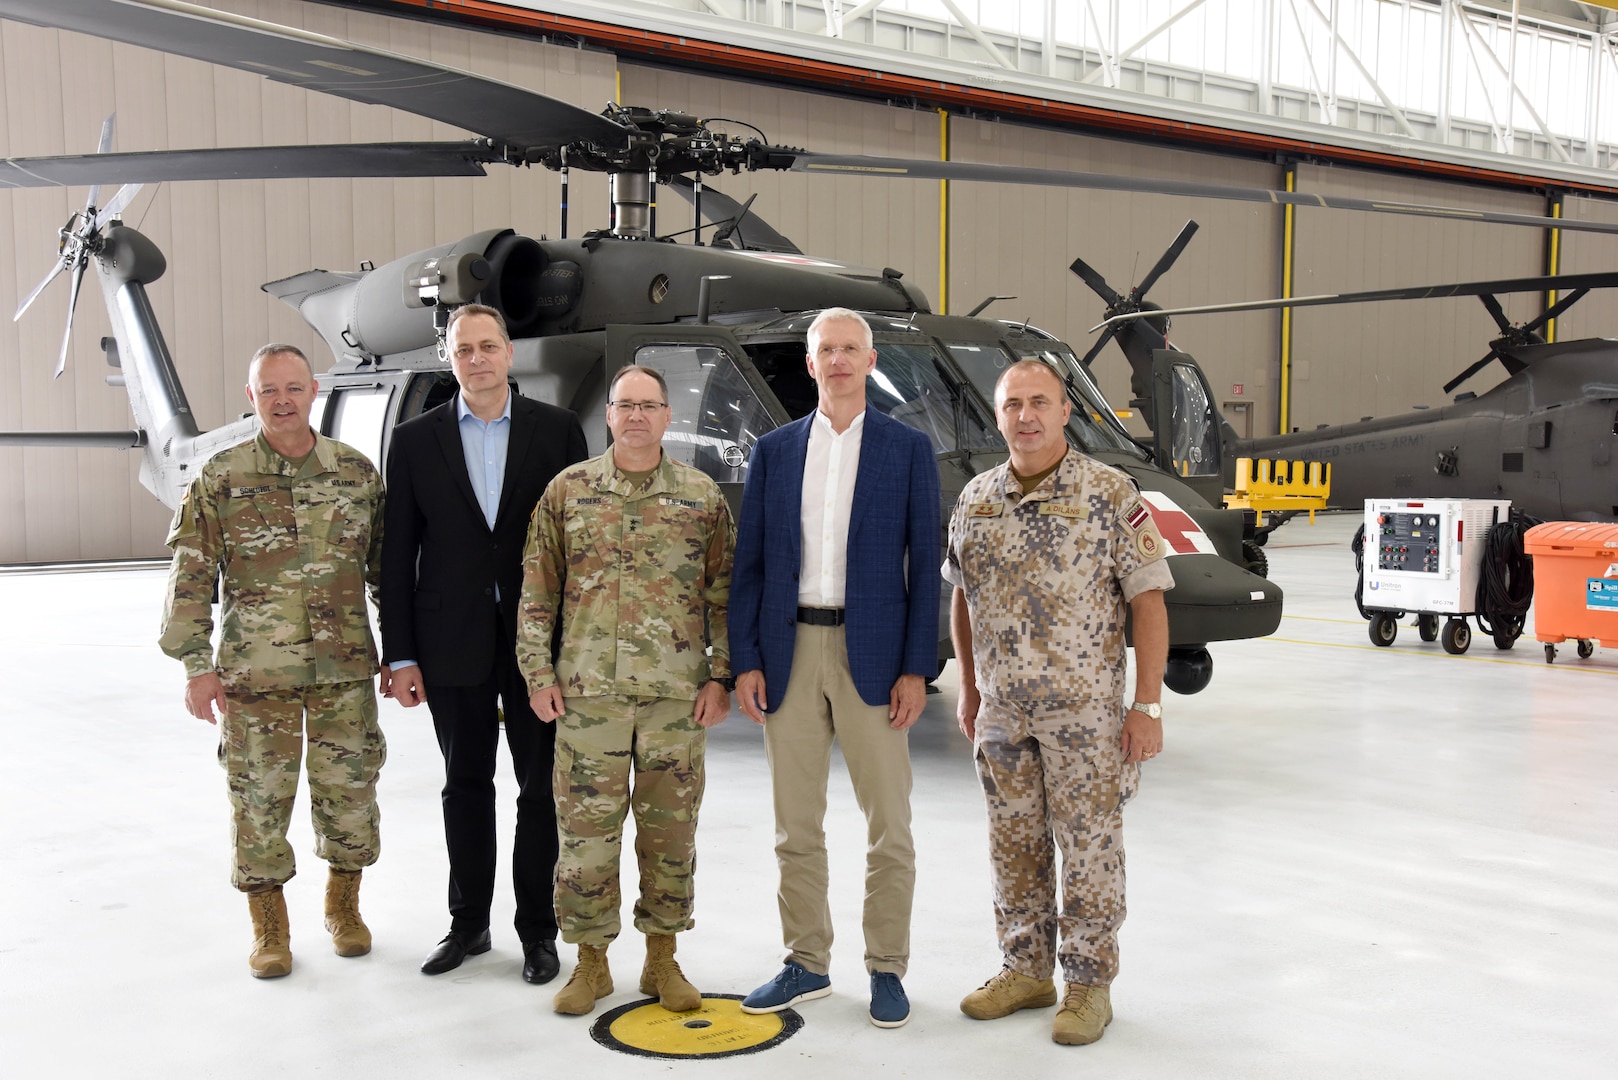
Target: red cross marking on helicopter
x=1178 y=529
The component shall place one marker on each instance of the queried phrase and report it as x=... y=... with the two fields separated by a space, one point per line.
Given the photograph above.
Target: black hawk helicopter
x=1544 y=437
x=724 y=320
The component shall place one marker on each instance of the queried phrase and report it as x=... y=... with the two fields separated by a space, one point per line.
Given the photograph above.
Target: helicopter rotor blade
x=67 y=333
x=1495 y=310
x=1555 y=309
x=1167 y=260
x=1491 y=355
x=253 y=163
x=116 y=204
x=905 y=168
x=511 y=115
x=1097 y=283
x=102 y=146
x=1101 y=343
x=51 y=276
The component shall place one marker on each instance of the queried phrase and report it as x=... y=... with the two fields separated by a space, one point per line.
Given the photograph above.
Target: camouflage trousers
x=602 y=743
x=1055 y=770
x=261 y=738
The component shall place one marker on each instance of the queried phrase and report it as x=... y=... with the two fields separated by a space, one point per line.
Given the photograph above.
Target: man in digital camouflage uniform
x=289 y=525
x=630 y=553
x=1044 y=553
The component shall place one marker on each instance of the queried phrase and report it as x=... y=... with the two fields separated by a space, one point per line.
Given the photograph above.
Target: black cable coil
x=1506 y=580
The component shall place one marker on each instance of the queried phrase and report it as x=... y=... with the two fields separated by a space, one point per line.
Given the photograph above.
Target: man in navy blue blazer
x=834 y=634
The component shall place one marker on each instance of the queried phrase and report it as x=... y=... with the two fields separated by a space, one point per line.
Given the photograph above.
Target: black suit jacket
x=440 y=560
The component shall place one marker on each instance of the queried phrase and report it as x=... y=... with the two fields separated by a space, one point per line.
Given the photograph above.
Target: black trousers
x=468 y=728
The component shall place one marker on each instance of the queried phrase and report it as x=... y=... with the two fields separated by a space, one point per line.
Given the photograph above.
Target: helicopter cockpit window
x=908 y=387
x=1093 y=425
x=358 y=415
x=714 y=415
x=1195 y=445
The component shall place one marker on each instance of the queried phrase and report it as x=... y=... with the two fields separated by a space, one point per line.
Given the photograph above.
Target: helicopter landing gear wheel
x=1384 y=628
x=1586 y=649
x=1457 y=637
x=1254 y=561
x=1427 y=627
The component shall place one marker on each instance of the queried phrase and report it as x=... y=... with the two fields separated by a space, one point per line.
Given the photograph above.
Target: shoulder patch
x=1137 y=517
x=1148 y=544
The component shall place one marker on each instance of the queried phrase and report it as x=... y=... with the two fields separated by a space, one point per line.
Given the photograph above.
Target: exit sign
x=1237 y=389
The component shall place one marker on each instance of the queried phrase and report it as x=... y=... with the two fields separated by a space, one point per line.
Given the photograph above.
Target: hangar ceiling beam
x=1050 y=38
x=978 y=35
x=1365 y=73
x=1515 y=91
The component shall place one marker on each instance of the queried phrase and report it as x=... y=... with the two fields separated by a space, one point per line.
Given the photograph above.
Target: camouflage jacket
x=639 y=579
x=1047 y=575
x=293 y=550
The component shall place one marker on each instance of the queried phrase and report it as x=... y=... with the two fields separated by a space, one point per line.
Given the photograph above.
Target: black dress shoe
x=455 y=947
x=539 y=962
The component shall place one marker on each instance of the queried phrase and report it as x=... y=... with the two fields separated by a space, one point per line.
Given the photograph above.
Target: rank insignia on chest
x=986 y=509
x=1066 y=510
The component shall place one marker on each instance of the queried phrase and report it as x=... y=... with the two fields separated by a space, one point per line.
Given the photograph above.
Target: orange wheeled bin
x=1575 y=584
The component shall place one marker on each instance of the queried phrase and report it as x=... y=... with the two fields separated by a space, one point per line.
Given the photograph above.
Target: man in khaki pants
x=834 y=634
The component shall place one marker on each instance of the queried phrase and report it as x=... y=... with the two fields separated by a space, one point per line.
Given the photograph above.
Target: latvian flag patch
x=1138 y=517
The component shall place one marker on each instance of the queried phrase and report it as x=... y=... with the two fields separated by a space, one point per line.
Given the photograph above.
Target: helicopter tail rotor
x=80 y=239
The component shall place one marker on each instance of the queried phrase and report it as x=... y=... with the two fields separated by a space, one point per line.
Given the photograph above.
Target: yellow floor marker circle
x=718 y=1029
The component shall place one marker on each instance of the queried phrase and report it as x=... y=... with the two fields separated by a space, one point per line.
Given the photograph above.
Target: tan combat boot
x=1085 y=1013
x=1006 y=993
x=662 y=976
x=591 y=980
x=349 y=934
x=272 y=942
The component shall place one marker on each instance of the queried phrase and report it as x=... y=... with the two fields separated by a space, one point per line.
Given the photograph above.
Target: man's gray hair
x=840 y=314
x=275 y=349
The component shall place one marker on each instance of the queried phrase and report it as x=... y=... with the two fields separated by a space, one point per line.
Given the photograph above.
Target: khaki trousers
x=261 y=737
x=821 y=705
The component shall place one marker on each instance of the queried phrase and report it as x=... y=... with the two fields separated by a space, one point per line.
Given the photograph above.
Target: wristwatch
x=1150 y=708
x=729 y=683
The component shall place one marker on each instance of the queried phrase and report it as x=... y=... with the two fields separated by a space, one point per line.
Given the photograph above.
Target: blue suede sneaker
x=795 y=983
x=889 y=1006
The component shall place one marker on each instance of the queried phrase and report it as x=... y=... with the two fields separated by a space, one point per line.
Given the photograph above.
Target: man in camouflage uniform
x=289 y=525
x=1044 y=552
x=630 y=554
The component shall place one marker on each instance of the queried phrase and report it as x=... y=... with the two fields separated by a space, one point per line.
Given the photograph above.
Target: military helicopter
x=723 y=319
x=1543 y=438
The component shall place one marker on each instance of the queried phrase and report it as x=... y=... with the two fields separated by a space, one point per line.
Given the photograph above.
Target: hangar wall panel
x=1375 y=359
x=1020 y=241
x=223 y=240
x=1587 y=253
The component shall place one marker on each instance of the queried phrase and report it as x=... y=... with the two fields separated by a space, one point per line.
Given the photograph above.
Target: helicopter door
x=716 y=411
x=357 y=415
x=1185 y=424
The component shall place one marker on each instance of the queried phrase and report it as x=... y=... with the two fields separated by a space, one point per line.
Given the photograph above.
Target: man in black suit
x=462 y=483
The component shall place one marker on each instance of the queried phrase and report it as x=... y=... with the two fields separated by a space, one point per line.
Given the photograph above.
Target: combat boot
x=1085 y=1013
x=349 y=934
x=1006 y=993
x=272 y=942
x=662 y=976
x=591 y=980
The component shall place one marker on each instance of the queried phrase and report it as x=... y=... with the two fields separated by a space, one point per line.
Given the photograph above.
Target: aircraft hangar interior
x=1331 y=284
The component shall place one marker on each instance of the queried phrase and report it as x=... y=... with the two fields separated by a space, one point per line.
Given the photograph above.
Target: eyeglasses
x=852 y=352
x=650 y=408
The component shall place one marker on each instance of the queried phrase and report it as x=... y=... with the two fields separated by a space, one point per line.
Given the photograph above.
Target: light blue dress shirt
x=484 y=444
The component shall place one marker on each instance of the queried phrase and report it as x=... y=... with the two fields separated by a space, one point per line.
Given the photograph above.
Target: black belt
x=821 y=616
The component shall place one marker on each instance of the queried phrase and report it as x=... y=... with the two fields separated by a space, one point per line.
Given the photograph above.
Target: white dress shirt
x=829 y=470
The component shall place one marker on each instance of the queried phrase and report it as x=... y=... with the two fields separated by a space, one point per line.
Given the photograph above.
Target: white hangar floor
x=1350 y=861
